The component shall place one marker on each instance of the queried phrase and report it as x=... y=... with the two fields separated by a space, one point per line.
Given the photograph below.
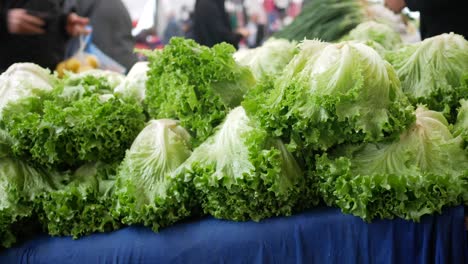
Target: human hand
x=76 y=25
x=243 y=32
x=22 y=23
x=395 y=5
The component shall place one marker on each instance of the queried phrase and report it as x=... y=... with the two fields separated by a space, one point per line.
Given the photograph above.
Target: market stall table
x=322 y=235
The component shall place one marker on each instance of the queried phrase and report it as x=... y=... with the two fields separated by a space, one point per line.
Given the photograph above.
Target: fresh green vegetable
x=461 y=126
x=269 y=60
x=147 y=193
x=331 y=94
x=327 y=20
x=21 y=80
x=76 y=123
x=419 y=174
x=83 y=205
x=196 y=85
x=134 y=84
x=434 y=72
x=21 y=187
x=242 y=173
x=371 y=31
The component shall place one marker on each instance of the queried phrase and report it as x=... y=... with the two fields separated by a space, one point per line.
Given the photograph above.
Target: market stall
x=335 y=141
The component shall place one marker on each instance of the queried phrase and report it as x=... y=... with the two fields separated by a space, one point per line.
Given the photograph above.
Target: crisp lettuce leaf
x=461 y=126
x=382 y=34
x=76 y=123
x=419 y=174
x=196 y=85
x=21 y=80
x=434 y=72
x=21 y=187
x=331 y=94
x=82 y=205
x=134 y=84
x=269 y=60
x=242 y=173
x=146 y=192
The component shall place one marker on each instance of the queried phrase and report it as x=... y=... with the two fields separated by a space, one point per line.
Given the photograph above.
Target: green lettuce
x=77 y=122
x=419 y=174
x=434 y=72
x=382 y=34
x=268 y=60
x=242 y=173
x=21 y=80
x=331 y=94
x=82 y=205
x=196 y=85
x=461 y=126
x=21 y=189
x=147 y=192
x=134 y=84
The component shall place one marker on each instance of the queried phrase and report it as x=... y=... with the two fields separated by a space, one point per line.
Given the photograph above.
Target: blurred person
x=436 y=16
x=112 y=29
x=211 y=24
x=173 y=29
x=36 y=31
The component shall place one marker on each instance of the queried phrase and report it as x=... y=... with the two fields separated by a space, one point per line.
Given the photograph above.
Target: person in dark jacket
x=112 y=29
x=36 y=31
x=437 y=16
x=211 y=24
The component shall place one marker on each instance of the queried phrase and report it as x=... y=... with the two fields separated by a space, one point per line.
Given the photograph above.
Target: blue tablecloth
x=322 y=235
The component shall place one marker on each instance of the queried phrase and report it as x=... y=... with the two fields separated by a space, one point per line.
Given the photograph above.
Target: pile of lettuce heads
x=368 y=124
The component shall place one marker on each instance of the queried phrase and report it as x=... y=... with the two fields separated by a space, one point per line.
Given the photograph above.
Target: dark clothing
x=441 y=16
x=47 y=49
x=112 y=28
x=211 y=24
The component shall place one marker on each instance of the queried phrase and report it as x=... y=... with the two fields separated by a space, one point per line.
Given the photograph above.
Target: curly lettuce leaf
x=22 y=80
x=76 y=123
x=21 y=187
x=83 y=205
x=434 y=72
x=146 y=193
x=196 y=85
x=419 y=174
x=331 y=94
x=461 y=126
x=269 y=60
x=243 y=174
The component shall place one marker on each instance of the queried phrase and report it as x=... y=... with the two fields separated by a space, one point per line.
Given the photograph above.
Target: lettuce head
x=242 y=173
x=418 y=174
x=331 y=94
x=434 y=72
x=147 y=192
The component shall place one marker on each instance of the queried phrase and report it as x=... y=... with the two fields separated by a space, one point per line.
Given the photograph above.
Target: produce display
x=207 y=131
